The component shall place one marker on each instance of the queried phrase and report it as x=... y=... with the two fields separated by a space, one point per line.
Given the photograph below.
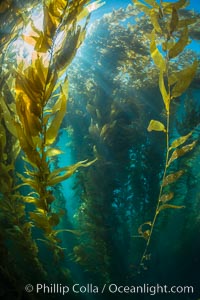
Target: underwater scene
x=99 y=149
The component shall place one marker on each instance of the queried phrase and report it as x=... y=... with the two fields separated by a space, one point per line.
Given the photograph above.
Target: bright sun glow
x=23 y=49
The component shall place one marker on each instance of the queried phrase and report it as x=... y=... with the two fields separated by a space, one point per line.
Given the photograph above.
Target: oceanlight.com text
x=112 y=288
x=151 y=289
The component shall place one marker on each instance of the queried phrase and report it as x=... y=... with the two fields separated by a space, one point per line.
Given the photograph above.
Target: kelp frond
x=172 y=34
x=32 y=116
x=39 y=117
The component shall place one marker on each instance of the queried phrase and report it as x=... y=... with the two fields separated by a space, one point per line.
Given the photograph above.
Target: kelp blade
x=156 y=125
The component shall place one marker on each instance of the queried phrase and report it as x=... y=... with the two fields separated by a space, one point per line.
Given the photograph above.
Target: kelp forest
x=99 y=149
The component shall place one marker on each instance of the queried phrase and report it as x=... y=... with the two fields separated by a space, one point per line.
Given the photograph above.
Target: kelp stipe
x=171 y=34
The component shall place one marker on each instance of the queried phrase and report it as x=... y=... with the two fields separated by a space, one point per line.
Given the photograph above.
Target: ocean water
x=97 y=200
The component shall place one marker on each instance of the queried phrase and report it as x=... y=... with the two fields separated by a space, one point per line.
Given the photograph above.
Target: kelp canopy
x=136 y=201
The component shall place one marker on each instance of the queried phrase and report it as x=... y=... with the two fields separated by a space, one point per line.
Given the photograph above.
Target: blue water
x=110 y=5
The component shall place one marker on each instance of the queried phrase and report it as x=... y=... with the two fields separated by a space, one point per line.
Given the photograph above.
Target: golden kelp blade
x=166 y=8
x=29 y=199
x=54 y=178
x=54 y=127
x=182 y=80
x=171 y=178
x=51 y=86
x=42 y=71
x=59 y=5
x=152 y=3
x=51 y=20
x=41 y=221
x=156 y=55
x=180 y=45
x=142 y=7
x=33 y=36
x=166 y=45
x=174 y=21
x=56 y=172
x=181 y=140
x=182 y=151
x=24 y=85
x=166 y=197
x=165 y=95
x=53 y=152
x=26 y=142
x=31 y=40
x=39 y=203
x=27 y=145
x=89 y=8
x=67 y=49
x=30 y=122
x=156 y=125
x=28 y=181
x=154 y=20
x=9 y=122
x=166 y=206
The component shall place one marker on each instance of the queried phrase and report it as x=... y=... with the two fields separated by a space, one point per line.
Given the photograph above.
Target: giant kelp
x=109 y=121
x=171 y=32
x=33 y=105
x=16 y=229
